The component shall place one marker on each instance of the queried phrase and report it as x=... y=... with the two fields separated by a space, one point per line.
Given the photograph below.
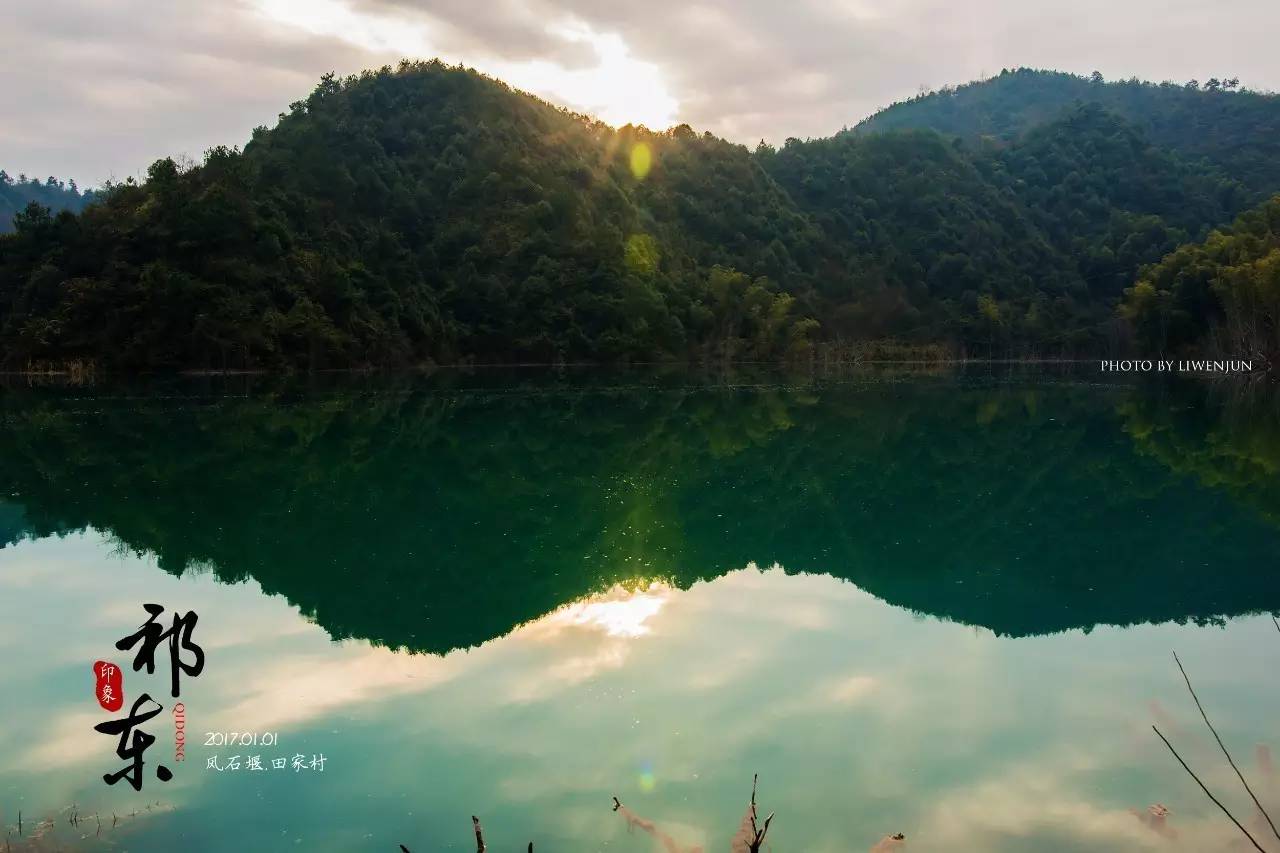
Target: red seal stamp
x=108 y=685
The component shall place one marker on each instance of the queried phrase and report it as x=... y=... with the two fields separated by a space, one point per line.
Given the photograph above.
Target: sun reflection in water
x=620 y=612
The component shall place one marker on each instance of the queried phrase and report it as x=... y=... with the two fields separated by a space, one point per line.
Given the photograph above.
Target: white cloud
x=94 y=89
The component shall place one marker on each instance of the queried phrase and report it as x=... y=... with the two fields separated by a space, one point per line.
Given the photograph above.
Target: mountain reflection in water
x=432 y=519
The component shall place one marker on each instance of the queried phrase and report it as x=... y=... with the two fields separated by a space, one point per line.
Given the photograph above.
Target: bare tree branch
x=1223 y=747
x=1207 y=792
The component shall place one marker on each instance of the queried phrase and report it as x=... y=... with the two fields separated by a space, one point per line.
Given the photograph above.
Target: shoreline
x=540 y=365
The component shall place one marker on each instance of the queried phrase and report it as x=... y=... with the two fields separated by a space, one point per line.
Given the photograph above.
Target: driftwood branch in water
x=749 y=838
x=668 y=843
x=1223 y=746
x=759 y=833
x=1207 y=792
x=480 y=848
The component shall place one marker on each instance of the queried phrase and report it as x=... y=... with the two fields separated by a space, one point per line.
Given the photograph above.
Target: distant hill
x=431 y=214
x=1238 y=131
x=16 y=194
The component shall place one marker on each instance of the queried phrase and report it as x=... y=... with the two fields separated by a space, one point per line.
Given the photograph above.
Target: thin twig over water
x=480 y=845
x=750 y=836
x=1223 y=746
x=1207 y=792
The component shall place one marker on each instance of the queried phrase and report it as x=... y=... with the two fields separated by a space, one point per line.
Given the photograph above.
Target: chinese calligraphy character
x=317 y=762
x=299 y=762
x=279 y=763
x=133 y=743
x=254 y=762
x=151 y=634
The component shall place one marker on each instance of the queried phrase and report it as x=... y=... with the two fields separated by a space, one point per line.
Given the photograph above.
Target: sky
x=98 y=89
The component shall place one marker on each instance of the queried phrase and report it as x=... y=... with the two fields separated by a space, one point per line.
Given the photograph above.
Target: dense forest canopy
x=17 y=193
x=431 y=214
x=1227 y=287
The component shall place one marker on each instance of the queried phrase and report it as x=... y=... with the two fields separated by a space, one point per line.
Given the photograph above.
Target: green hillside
x=430 y=214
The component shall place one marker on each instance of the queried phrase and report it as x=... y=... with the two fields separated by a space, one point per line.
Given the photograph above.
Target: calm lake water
x=942 y=605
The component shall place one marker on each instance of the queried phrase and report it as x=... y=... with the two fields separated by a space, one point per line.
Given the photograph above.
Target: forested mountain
x=56 y=195
x=1105 y=196
x=1023 y=247
x=421 y=213
x=918 y=240
x=1236 y=130
x=429 y=213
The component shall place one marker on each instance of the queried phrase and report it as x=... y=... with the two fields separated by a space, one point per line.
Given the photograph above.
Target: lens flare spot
x=647 y=782
x=641 y=160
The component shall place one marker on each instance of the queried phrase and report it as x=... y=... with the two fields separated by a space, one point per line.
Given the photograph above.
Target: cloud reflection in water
x=862 y=718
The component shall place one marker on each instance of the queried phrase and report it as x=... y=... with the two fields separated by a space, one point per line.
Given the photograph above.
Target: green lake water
x=941 y=604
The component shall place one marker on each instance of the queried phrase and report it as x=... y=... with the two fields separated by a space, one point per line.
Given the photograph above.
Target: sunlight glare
x=618 y=89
